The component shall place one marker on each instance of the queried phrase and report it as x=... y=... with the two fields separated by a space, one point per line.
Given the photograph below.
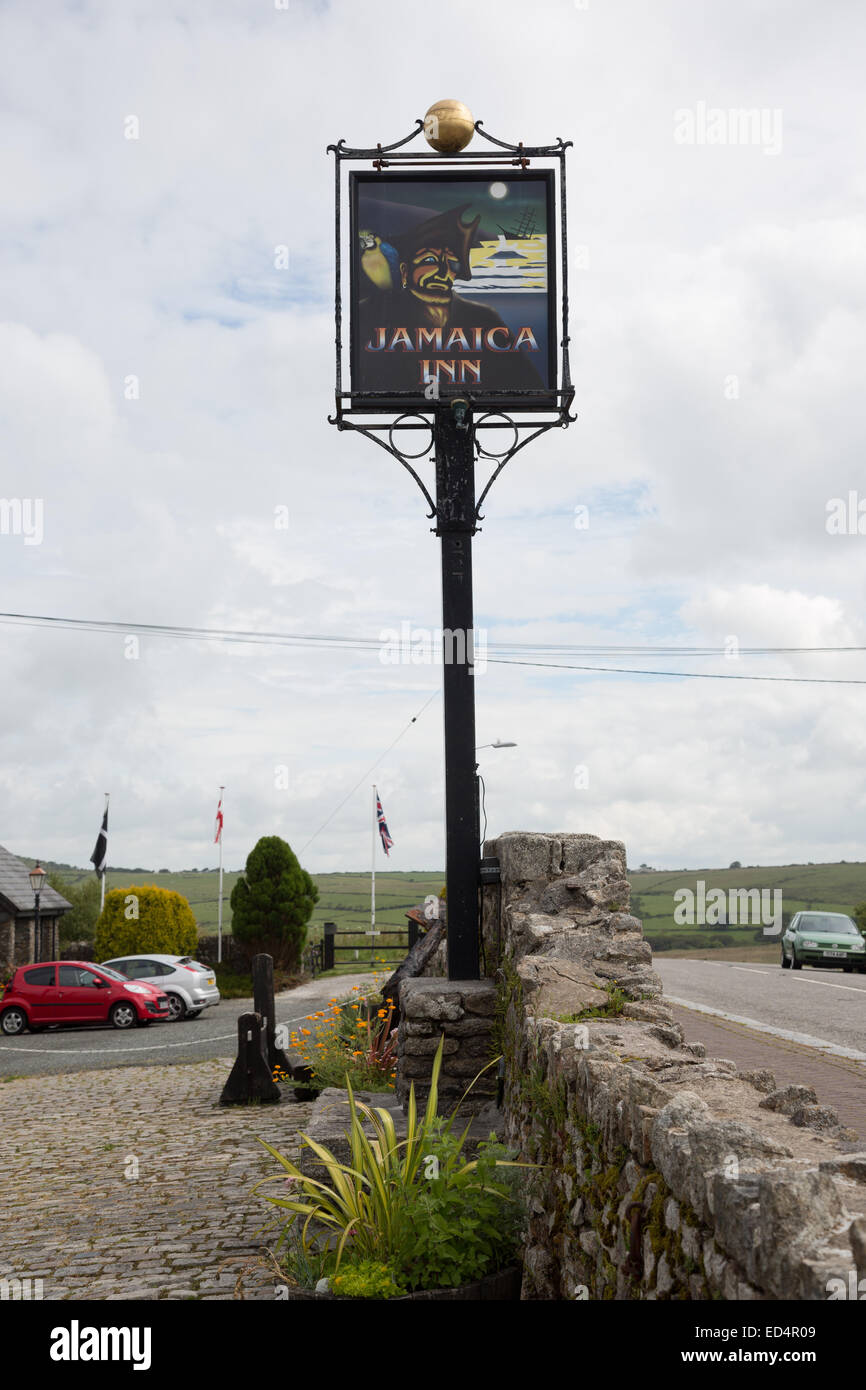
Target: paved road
x=213 y=1034
x=823 y=1008
x=807 y=1027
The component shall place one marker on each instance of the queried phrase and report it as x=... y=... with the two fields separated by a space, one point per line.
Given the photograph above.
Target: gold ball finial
x=448 y=126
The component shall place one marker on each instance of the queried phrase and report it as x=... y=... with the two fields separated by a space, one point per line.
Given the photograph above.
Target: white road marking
x=804 y=979
x=833 y=1048
x=796 y=974
x=148 y=1047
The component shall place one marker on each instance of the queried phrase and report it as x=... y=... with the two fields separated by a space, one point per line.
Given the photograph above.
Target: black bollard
x=263 y=1003
x=250 y=1078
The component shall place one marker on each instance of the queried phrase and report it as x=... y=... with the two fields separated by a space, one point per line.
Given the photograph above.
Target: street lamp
x=481 y=790
x=37 y=879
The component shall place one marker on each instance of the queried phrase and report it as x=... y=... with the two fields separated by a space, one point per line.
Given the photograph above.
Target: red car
x=73 y=991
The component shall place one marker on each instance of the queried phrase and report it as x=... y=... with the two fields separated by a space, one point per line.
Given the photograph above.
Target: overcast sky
x=719 y=345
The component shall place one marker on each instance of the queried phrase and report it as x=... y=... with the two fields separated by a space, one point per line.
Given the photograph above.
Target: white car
x=190 y=986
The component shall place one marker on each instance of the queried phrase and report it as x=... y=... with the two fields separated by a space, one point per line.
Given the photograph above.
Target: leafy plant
x=366 y=1279
x=466 y=1222
x=396 y=1199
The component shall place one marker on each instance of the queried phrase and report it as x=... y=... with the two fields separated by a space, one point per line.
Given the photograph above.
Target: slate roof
x=15 y=888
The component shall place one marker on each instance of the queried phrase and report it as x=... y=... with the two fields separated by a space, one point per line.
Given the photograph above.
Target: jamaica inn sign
x=452 y=270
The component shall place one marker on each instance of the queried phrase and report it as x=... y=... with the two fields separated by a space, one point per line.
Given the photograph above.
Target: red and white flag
x=218 y=824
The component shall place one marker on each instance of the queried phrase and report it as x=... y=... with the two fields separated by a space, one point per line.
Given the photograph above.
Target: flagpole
x=373 y=875
x=220 y=908
x=105 y=870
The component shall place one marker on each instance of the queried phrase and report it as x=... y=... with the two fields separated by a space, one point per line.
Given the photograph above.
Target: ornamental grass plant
x=415 y=1208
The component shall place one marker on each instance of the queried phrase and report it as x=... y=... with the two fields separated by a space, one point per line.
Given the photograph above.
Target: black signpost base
x=455 y=523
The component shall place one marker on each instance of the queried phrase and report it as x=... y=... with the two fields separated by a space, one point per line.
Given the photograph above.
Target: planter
x=500 y=1287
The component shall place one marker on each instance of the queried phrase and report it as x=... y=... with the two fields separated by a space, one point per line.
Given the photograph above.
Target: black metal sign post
x=454 y=417
x=454 y=444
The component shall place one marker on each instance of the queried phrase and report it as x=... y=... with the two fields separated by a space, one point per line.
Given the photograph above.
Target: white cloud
x=155 y=257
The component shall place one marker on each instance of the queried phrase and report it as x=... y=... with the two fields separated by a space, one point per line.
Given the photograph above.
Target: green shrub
x=145 y=918
x=272 y=903
x=80 y=923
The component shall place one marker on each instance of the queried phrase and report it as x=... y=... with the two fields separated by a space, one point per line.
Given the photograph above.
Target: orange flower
x=306 y=1032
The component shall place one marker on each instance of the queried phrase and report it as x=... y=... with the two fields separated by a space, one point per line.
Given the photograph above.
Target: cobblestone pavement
x=76 y=1218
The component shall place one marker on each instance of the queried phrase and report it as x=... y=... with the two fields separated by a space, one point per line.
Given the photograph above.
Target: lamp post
x=37 y=879
x=480 y=792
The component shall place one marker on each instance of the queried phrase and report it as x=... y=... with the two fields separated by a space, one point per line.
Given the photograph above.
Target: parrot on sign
x=379 y=261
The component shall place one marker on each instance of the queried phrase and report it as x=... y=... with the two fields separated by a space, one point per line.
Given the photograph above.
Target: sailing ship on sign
x=525 y=228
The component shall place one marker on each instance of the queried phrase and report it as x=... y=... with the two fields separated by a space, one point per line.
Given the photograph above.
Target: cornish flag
x=100 y=852
x=387 y=842
x=218 y=824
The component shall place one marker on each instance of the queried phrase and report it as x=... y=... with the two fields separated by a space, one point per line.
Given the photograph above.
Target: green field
x=345 y=899
x=831 y=887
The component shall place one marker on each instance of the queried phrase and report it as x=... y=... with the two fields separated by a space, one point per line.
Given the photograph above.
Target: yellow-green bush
x=145 y=919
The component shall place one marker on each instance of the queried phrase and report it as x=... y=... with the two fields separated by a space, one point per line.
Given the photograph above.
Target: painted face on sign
x=431 y=273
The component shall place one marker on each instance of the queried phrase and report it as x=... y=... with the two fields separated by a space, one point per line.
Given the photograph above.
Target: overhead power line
x=336 y=641
x=680 y=675
x=371 y=768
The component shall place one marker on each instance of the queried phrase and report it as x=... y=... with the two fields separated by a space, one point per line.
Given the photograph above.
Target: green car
x=829 y=939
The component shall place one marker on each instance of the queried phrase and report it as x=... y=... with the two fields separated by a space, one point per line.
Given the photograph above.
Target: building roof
x=15 y=890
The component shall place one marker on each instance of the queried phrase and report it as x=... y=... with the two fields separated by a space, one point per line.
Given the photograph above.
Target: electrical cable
x=370 y=769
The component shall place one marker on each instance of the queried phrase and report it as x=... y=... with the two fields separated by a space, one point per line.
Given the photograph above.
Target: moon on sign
x=498 y=190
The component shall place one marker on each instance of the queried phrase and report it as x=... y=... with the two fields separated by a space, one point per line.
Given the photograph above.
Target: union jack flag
x=387 y=842
x=218 y=823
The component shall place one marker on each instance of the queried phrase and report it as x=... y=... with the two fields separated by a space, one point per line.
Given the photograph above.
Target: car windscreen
x=113 y=974
x=826 y=922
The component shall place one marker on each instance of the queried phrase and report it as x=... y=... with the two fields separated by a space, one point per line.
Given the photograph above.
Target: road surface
x=824 y=1007
x=213 y=1034
x=806 y=1026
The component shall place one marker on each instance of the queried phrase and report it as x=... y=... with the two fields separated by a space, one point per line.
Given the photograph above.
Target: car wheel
x=13 y=1022
x=786 y=964
x=849 y=969
x=176 y=1008
x=193 y=1013
x=122 y=1015
x=796 y=964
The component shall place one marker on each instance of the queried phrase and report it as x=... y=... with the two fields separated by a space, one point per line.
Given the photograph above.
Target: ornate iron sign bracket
x=450 y=430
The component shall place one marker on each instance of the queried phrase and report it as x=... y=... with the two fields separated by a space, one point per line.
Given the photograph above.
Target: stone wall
x=234 y=955
x=18 y=941
x=462 y=1012
x=662 y=1173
